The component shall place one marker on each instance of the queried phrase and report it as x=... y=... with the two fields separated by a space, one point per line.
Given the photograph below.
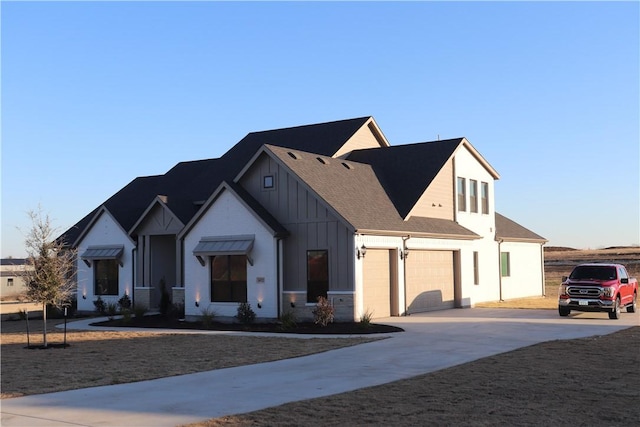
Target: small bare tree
x=50 y=273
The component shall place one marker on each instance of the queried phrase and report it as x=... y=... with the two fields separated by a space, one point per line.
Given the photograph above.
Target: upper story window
x=10 y=281
x=485 y=197
x=268 y=182
x=473 y=195
x=462 y=194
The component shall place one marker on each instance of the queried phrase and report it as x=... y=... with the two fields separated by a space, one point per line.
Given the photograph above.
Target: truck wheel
x=564 y=311
x=615 y=312
x=631 y=308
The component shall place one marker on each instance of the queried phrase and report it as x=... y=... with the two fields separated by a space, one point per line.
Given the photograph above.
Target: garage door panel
x=376 y=283
x=430 y=281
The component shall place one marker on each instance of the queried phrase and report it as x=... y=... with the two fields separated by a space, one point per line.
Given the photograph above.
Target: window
x=229 y=278
x=317 y=275
x=462 y=194
x=473 y=195
x=10 y=281
x=505 y=264
x=485 y=198
x=268 y=182
x=105 y=276
x=476 y=270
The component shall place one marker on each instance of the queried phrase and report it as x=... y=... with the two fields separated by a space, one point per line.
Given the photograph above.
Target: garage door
x=430 y=281
x=376 y=283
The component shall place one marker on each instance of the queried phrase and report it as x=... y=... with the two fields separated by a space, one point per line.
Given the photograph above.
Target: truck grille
x=584 y=292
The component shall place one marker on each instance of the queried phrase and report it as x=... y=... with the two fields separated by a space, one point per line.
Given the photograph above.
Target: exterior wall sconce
x=197 y=303
x=361 y=251
x=84 y=296
x=293 y=304
x=259 y=304
x=404 y=254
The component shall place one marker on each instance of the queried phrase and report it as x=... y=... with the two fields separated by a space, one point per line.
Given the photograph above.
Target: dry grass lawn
x=584 y=382
x=104 y=357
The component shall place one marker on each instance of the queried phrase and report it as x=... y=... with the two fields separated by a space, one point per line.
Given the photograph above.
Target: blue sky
x=97 y=93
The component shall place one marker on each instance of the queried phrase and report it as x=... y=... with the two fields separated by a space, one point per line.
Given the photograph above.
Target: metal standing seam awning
x=224 y=245
x=94 y=253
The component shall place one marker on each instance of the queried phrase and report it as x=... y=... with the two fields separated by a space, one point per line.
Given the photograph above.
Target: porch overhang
x=224 y=245
x=96 y=253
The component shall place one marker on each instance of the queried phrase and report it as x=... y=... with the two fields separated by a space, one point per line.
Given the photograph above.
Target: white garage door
x=376 y=283
x=430 y=281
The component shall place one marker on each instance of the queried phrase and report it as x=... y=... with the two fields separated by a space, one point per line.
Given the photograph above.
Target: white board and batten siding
x=104 y=231
x=227 y=216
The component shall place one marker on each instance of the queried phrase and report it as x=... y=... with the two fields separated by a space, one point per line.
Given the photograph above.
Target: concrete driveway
x=432 y=341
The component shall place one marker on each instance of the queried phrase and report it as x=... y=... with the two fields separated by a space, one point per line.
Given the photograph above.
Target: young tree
x=50 y=277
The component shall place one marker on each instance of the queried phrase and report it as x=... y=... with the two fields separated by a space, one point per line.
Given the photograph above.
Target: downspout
x=544 y=288
x=500 y=269
x=279 y=289
x=404 y=271
x=134 y=250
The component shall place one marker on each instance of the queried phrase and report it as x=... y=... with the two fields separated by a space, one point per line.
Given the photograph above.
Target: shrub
x=111 y=309
x=124 y=302
x=245 y=315
x=323 y=313
x=365 y=319
x=139 y=310
x=126 y=315
x=207 y=317
x=100 y=305
x=165 y=299
x=288 y=320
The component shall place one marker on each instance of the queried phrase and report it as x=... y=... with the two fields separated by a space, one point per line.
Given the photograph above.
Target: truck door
x=625 y=289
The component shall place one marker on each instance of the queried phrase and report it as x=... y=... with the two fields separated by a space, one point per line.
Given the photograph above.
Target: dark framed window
x=268 y=182
x=462 y=194
x=10 y=281
x=105 y=277
x=317 y=275
x=229 y=278
x=505 y=264
x=476 y=269
x=473 y=195
x=485 y=197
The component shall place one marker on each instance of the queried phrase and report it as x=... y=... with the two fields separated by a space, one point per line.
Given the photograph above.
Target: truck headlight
x=609 y=291
x=562 y=290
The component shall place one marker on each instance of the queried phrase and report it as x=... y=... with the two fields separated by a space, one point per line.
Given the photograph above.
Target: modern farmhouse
x=288 y=215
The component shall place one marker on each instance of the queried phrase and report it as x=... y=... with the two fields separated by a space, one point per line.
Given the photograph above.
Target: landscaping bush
x=245 y=315
x=139 y=310
x=177 y=310
x=323 y=313
x=124 y=302
x=365 y=319
x=100 y=305
x=288 y=320
x=111 y=310
x=207 y=317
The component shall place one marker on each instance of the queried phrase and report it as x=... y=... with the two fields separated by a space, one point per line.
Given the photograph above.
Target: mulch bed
x=167 y=322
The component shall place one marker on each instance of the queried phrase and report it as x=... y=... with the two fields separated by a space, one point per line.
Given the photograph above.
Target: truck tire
x=631 y=308
x=563 y=311
x=615 y=312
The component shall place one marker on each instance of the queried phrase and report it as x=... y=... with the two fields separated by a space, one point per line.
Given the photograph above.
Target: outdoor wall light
x=361 y=251
x=259 y=304
x=197 y=303
x=404 y=254
x=293 y=304
x=84 y=296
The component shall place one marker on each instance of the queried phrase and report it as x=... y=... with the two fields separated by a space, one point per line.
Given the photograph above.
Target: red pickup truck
x=598 y=287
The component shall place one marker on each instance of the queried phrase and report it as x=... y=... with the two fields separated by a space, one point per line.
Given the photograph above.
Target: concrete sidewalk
x=432 y=341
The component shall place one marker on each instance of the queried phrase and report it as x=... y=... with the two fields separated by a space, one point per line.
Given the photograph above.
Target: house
x=12 y=283
x=289 y=215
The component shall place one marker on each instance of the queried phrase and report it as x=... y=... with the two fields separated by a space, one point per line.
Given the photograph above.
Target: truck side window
x=622 y=273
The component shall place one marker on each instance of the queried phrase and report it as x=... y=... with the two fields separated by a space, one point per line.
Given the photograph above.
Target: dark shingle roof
x=405 y=171
x=194 y=181
x=357 y=196
x=507 y=229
